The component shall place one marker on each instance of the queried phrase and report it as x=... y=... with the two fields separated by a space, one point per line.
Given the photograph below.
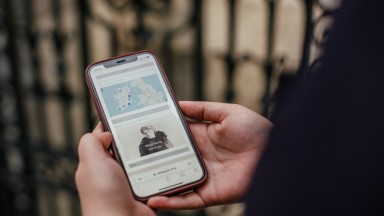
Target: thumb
x=93 y=146
x=206 y=111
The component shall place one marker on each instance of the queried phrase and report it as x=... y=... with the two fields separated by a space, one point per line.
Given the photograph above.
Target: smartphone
x=151 y=138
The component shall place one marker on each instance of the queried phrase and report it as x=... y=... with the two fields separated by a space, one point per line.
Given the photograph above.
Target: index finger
x=188 y=201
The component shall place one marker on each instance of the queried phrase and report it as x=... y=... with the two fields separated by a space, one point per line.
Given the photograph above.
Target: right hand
x=231 y=147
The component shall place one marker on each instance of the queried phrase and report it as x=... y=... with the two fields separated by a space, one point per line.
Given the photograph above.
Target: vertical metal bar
x=304 y=63
x=268 y=66
x=83 y=8
x=114 y=41
x=38 y=90
x=140 y=28
x=23 y=139
x=198 y=52
x=5 y=193
x=230 y=58
x=167 y=58
x=65 y=95
x=43 y=94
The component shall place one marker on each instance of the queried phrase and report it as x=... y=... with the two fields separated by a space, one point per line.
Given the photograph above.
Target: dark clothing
x=152 y=145
x=326 y=153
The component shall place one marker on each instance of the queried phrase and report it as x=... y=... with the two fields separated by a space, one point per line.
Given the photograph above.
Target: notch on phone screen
x=124 y=60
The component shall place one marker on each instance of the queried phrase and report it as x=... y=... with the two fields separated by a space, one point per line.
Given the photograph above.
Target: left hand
x=101 y=182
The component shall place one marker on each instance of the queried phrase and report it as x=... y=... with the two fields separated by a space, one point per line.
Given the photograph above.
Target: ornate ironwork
x=44 y=103
x=317 y=29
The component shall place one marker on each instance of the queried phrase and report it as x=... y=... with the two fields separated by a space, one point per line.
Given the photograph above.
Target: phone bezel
x=115 y=150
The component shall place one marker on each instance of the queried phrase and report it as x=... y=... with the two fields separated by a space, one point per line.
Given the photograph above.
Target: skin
x=102 y=185
x=149 y=133
x=231 y=146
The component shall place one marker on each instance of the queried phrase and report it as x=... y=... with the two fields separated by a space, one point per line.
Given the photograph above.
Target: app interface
x=154 y=148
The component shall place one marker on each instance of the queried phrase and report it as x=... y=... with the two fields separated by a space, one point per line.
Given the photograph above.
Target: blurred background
x=245 y=51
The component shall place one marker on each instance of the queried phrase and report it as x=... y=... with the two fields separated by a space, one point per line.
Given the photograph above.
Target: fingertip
x=193 y=109
x=158 y=202
x=187 y=201
x=99 y=128
x=184 y=105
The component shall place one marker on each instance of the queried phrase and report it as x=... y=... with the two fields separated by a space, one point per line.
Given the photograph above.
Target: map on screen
x=133 y=95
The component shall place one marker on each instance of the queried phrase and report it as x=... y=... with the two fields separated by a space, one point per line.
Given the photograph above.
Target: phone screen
x=151 y=139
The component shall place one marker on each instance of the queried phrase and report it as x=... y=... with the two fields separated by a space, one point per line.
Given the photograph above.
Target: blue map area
x=133 y=95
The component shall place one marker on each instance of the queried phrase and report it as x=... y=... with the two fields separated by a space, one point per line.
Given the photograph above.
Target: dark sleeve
x=326 y=154
x=161 y=135
x=142 y=148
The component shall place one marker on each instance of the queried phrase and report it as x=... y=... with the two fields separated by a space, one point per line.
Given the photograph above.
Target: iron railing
x=44 y=103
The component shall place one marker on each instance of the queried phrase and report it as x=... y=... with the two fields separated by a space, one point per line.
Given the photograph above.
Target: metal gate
x=46 y=44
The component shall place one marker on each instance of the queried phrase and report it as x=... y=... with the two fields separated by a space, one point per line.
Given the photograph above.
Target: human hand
x=231 y=147
x=101 y=182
